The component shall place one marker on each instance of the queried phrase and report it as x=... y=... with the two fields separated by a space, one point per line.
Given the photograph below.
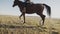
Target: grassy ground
x=51 y=25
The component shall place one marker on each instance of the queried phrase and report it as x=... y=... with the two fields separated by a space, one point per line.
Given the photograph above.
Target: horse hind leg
x=43 y=18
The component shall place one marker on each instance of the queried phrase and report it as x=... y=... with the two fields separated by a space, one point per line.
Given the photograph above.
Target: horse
x=32 y=8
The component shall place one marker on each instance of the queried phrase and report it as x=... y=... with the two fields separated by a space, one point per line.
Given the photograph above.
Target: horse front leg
x=20 y=16
x=24 y=17
x=24 y=11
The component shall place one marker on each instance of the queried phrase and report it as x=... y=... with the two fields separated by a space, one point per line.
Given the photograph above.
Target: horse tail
x=48 y=9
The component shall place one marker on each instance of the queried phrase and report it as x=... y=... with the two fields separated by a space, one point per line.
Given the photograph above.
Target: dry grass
x=51 y=25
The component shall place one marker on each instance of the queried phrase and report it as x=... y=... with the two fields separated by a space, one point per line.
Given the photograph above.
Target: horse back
x=34 y=6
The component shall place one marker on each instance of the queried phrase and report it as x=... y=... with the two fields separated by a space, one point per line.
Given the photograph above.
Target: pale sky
x=7 y=9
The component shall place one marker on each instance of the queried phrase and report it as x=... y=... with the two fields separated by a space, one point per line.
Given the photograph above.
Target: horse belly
x=30 y=12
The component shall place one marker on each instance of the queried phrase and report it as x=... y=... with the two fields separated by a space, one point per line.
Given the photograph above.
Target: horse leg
x=24 y=17
x=23 y=12
x=43 y=18
x=20 y=16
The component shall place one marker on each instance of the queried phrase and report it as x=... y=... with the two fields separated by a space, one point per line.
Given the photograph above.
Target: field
x=51 y=26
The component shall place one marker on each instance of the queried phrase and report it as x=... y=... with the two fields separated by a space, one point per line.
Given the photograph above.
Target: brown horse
x=32 y=8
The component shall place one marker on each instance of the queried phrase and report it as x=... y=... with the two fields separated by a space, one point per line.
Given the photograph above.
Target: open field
x=51 y=26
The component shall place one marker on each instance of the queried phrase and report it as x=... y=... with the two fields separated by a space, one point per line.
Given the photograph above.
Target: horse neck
x=20 y=5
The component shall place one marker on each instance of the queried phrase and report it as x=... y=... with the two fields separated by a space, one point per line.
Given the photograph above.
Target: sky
x=7 y=9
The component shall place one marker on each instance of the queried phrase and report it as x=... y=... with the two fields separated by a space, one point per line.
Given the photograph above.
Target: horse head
x=15 y=3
